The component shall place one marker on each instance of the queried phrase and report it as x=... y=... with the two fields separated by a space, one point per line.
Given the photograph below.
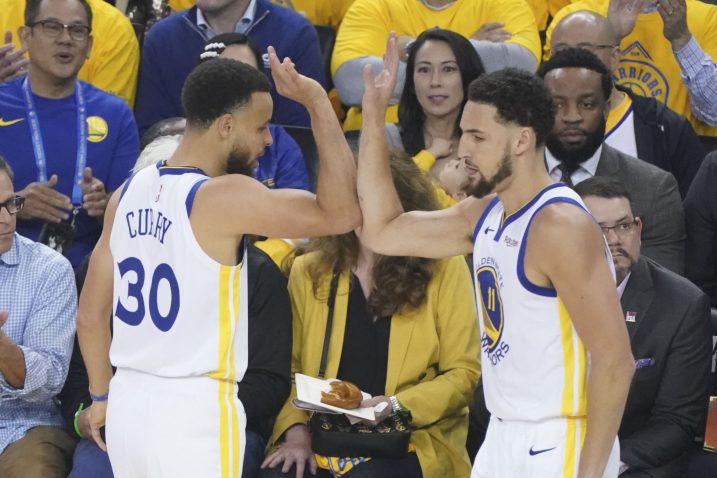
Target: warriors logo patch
x=638 y=72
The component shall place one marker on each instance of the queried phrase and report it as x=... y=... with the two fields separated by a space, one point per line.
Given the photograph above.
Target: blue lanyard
x=38 y=146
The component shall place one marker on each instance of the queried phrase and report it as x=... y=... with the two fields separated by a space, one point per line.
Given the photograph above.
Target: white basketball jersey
x=177 y=312
x=533 y=363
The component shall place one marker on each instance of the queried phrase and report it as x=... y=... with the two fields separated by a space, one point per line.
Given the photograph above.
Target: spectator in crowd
x=442 y=65
x=675 y=67
x=545 y=9
x=637 y=125
x=701 y=222
x=38 y=303
x=416 y=316
x=319 y=12
x=668 y=320
x=503 y=32
x=263 y=389
x=282 y=164
x=113 y=62
x=581 y=85
x=69 y=143
x=172 y=46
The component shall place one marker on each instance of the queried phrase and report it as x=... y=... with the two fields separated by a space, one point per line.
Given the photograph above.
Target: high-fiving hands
x=292 y=84
x=379 y=89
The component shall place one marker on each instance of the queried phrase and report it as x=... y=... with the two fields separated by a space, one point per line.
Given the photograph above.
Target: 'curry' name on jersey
x=147 y=222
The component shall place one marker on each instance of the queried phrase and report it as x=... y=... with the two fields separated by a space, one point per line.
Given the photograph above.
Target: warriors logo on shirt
x=96 y=129
x=492 y=314
x=637 y=71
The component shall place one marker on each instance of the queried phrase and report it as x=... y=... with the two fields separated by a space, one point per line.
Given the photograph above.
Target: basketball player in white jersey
x=170 y=263
x=545 y=293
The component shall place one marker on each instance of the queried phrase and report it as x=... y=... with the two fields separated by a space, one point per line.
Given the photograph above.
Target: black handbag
x=333 y=434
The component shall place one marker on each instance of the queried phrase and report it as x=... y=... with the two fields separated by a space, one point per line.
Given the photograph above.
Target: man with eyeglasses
x=575 y=150
x=668 y=321
x=38 y=305
x=70 y=143
x=639 y=126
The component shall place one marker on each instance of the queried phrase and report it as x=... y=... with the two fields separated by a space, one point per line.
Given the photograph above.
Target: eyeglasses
x=14 y=205
x=583 y=46
x=54 y=29
x=622 y=229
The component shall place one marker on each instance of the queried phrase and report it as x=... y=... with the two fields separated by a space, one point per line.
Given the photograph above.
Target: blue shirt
x=282 y=165
x=112 y=149
x=172 y=47
x=37 y=288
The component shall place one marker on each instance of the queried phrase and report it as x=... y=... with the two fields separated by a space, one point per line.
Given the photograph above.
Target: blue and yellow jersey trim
x=574 y=400
x=229 y=314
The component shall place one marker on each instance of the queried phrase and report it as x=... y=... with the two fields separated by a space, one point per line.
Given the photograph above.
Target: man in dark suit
x=668 y=320
x=575 y=151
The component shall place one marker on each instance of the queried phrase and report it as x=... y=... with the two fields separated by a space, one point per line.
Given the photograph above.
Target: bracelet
x=77 y=417
x=99 y=398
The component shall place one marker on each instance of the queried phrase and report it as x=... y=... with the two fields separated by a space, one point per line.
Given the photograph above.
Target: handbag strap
x=329 y=320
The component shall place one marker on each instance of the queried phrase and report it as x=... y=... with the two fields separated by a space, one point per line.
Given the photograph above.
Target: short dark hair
x=227 y=39
x=603 y=187
x=411 y=117
x=519 y=97
x=32 y=10
x=4 y=166
x=219 y=87
x=579 y=58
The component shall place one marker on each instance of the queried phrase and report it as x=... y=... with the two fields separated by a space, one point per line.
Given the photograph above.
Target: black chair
x=305 y=139
x=327 y=38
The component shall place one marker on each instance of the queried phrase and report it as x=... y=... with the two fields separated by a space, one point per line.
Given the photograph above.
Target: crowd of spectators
x=88 y=96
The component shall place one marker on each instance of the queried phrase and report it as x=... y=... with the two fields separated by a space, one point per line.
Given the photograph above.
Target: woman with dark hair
x=282 y=164
x=404 y=330
x=440 y=66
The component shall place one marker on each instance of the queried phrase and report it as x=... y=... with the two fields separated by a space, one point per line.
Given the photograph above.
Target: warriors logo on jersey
x=492 y=314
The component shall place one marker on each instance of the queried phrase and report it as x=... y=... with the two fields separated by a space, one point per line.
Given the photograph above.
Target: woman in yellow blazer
x=429 y=358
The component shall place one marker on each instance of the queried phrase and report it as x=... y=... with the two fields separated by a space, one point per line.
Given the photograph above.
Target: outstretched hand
x=379 y=89
x=292 y=84
x=622 y=15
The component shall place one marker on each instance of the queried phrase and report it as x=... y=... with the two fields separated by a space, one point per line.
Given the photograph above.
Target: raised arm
x=253 y=209
x=93 y=321
x=386 y=228
x=566 y=248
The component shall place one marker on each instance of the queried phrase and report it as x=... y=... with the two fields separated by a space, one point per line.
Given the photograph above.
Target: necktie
x=565 y=172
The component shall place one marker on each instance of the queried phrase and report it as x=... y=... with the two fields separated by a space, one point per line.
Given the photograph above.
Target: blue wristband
x=99 y=398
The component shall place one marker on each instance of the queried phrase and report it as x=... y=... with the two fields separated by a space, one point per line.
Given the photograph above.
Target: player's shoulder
x=562 y=220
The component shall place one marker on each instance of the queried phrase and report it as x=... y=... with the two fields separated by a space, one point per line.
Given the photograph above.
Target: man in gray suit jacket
x=580 y=85
x=668 y=320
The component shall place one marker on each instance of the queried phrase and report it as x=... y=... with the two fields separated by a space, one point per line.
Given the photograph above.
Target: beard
x=239 y=162
x=622 y=270
x=486 y=185
x=574 y=156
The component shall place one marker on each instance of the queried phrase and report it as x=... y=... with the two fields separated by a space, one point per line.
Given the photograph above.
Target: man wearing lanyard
x=69 y=143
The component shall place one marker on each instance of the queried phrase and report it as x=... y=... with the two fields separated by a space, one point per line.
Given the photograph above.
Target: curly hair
x=399 y=283
x=579 y=58
x=519 y=97
x=411 y=117
x=218 y=87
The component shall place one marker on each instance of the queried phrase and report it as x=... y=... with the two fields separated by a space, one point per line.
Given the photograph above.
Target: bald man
x=638 y=126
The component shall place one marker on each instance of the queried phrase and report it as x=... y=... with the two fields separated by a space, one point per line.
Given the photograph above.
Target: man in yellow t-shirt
x=543 y=9
x=658 y=59
x=503 y=33
x=114 y=61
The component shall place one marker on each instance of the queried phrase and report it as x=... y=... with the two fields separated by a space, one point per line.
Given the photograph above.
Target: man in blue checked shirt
x=38 y=305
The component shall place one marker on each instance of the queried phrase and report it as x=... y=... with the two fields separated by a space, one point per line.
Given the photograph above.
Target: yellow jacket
x=114 y=60
x=433 y=359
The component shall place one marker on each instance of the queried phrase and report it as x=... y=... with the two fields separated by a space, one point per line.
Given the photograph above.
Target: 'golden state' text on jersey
x=534 y=364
